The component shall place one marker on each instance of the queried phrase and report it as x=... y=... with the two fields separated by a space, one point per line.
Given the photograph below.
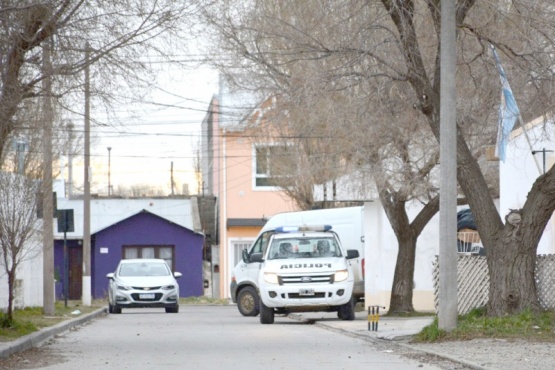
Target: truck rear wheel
x=248 y=301
x=266 y=314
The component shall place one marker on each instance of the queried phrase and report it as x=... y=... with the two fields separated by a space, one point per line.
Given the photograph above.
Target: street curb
x=36 y=338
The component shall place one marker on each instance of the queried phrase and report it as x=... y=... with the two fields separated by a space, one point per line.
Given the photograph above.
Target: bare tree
x=20 y=236
x=387 y=53
x=125 y=38
x=327 y=129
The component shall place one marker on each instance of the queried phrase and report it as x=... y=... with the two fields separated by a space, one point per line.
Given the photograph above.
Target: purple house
x=120 y=228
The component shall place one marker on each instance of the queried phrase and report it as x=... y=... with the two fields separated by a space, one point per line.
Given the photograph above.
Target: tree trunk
x=407 y=234
x=402 y=288
x=11 y=286
x=512 y=282
x=512 y=256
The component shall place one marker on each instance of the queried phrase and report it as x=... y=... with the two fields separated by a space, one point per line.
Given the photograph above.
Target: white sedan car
x=143 y=283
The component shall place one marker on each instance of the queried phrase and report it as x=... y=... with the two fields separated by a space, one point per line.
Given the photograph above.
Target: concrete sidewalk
x=388 y=328
x=395 y=330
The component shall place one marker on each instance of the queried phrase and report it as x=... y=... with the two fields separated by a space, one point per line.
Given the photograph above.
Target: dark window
x=165 y=252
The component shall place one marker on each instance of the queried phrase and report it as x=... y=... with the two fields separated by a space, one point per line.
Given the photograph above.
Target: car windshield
x=144 y=269
x=308 y=247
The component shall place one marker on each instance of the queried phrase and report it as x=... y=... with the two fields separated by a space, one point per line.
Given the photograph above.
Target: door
x=75 y=279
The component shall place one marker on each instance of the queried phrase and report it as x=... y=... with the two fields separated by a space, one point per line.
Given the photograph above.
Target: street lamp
x=109 y=186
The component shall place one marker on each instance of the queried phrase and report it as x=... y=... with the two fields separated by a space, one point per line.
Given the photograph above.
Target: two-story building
x=237 y=170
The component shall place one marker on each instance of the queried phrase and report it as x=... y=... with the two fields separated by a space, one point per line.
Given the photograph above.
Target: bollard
x=373 y=317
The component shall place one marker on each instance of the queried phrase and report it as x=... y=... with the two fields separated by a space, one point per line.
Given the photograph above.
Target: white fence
x=473 y=282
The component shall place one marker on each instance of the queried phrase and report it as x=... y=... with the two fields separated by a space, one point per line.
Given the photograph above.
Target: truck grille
x=298 y=296
x=305 y=279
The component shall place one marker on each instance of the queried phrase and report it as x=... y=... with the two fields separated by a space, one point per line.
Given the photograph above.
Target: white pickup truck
x=347 y=223
x=304 y=269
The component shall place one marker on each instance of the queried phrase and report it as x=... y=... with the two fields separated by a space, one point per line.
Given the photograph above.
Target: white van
x=347 y=223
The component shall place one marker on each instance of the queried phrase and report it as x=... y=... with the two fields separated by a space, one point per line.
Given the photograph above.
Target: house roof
x=142 y=212
x=107 y=212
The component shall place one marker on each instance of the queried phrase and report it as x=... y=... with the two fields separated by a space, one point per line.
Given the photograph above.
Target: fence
x=473 y=282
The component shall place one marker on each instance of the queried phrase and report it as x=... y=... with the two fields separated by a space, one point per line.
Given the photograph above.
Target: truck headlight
x=341 y=275
x=271 y=278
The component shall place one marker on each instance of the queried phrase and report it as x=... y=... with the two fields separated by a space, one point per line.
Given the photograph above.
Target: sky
x=168 y=131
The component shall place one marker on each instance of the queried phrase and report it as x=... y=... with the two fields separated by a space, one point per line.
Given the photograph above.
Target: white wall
x=381 y=249
x=30 y=275
x=520 y=171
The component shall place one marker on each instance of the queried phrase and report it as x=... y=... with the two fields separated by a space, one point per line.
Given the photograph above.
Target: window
x=165 y=252
x=261 y=244
x=271 y=162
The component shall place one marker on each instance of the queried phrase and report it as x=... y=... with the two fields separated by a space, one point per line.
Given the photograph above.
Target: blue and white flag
x=508 y=111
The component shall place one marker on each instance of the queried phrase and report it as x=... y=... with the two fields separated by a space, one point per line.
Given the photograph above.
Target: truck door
x=259 y=246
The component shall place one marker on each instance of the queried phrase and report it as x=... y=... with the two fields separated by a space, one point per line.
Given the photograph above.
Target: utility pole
x=86 y=286
x=20 y=147
x=448 y=301
x=171 y=175
x=109 y=185
x=47 y=197
x=70 y=128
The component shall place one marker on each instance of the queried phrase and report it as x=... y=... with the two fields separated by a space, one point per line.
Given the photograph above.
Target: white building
x=522 y=167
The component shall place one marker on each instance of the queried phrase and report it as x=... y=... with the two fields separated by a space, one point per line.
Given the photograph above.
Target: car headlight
x=341 y=275
x=168 y=287
x=271 y=278
x=124 y=287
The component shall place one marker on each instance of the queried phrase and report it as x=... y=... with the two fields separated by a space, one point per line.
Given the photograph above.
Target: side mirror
x=110 y=275
x=352 y=254
x=257 y=257
x=177 y=275
x=245 y=256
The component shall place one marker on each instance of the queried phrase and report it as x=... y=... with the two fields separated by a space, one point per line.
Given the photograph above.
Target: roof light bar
x=292 y=229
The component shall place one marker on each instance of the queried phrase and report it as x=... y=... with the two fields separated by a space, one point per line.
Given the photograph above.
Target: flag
x=508 y=111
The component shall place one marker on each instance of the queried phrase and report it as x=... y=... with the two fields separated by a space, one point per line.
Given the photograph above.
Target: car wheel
x=266 y=314
x=174 y=309
x=248 y=301
x=347 y=311
x=110 y=308
x=116 y=309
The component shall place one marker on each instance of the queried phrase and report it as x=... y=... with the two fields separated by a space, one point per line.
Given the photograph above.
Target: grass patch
x=28 y=320
x=476 y=324
x=409 y=314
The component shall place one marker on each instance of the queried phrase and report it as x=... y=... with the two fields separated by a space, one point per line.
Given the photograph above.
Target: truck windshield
x=304 y=248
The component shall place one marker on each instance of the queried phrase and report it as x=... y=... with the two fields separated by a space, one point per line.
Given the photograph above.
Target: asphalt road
x=207 y=337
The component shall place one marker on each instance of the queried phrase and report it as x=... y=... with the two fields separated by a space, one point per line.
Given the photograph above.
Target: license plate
x=306 y=291
x=146 y=296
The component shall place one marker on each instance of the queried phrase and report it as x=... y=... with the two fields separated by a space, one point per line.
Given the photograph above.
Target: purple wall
x=144 y=229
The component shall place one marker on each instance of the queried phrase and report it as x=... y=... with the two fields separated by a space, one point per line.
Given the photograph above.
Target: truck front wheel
x=347 y=311
x=248 y=301
x=266 y=314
